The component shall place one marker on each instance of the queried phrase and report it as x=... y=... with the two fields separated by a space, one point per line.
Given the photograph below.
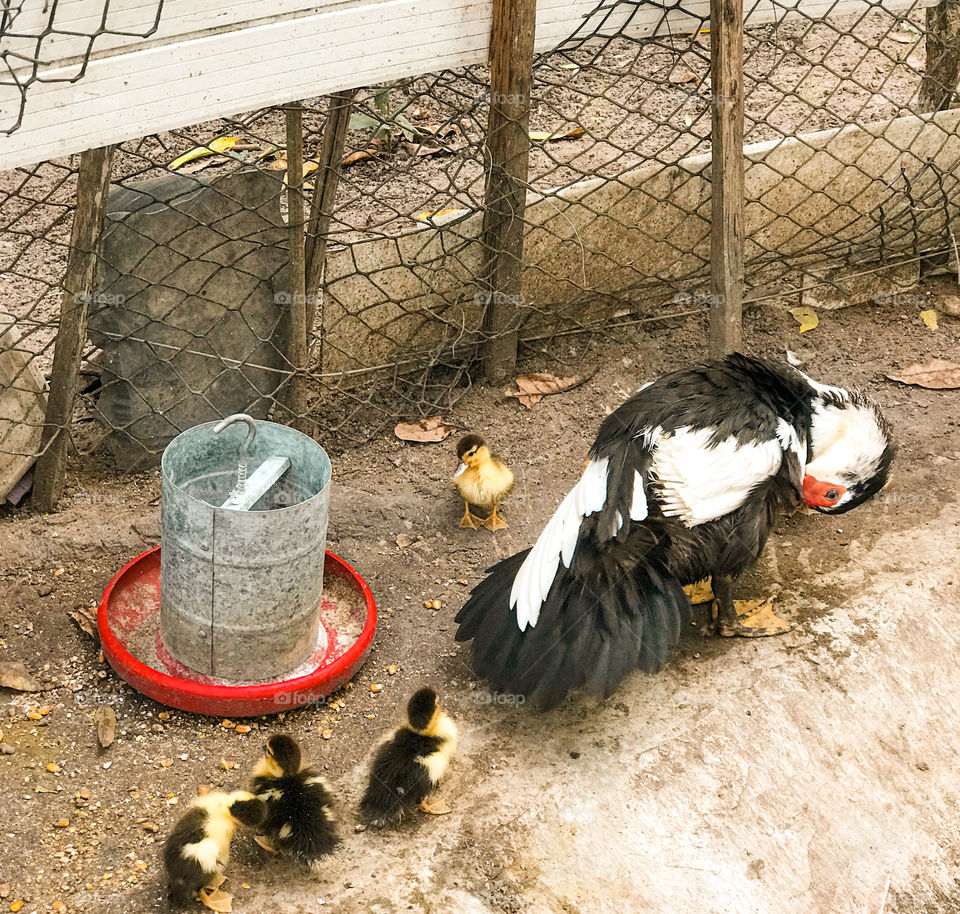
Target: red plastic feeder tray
x=129 y=624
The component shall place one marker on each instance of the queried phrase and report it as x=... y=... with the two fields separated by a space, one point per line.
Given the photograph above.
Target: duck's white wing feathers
x=557 y=541
x=699 y=480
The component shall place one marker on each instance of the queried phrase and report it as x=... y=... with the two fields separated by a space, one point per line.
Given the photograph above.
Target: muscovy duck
x=684 y=481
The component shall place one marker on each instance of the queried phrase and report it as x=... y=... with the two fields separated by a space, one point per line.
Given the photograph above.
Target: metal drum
x=241 y=573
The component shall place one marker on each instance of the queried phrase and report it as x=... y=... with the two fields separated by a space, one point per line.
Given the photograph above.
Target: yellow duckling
x=482 y=480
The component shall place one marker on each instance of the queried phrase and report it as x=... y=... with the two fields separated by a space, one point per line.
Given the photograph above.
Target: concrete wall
x=848 y=195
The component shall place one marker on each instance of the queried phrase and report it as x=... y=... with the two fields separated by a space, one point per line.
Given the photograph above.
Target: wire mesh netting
x=850 y=163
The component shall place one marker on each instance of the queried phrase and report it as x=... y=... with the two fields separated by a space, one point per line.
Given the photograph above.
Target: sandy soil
x=810 y=773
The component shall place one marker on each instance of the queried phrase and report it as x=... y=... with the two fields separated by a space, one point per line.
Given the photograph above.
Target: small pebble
x=376 y=687
x=392 y=669
x=6 y=749
x=326 y=734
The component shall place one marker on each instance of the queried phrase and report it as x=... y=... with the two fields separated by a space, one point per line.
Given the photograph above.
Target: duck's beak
x=460 y=469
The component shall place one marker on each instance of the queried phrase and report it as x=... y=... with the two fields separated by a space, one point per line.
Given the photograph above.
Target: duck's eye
x=832 y=494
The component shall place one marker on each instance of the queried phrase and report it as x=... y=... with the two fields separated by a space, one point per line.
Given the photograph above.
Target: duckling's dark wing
x=300 y=820
x=185 y=876
x=398 y=781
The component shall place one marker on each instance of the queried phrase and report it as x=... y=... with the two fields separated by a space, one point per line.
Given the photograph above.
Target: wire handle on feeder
x=244 y=448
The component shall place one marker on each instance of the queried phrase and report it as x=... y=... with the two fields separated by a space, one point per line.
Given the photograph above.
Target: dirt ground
x=815 y=772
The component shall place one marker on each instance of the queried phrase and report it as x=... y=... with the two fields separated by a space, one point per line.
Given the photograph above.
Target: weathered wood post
x=727 y=183
x=322 y=204
x=942 y=73
x=93 y=185
x=505 y=195
x=295 y=395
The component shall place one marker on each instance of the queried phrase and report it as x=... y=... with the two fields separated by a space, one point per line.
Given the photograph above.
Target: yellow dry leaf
x=806 y=317
x=701 y=592
x=759 y=614
x=429 y=214
x=546 y=137
x=221 y=144
x=929 y=317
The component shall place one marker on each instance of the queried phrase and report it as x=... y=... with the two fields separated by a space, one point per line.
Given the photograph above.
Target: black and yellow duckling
x=198 y=849
x=300 y=820
x=410 y=762
x=482 y=480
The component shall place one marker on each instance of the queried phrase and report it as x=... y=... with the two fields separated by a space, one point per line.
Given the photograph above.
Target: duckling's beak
x=460 y=469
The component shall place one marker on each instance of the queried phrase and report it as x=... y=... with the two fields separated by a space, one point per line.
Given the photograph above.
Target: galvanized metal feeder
x=233 y=615
x=241 y=572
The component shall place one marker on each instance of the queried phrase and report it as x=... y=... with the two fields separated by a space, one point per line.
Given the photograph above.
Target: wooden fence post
x=942 y=73
x=505 y=195
x=93 y=186
x=295 y=395
x=322 y=204
x=727 y=183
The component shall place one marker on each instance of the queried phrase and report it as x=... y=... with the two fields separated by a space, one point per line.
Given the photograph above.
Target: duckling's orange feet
x=434 y=806
x=495 y=523
x=469 y=520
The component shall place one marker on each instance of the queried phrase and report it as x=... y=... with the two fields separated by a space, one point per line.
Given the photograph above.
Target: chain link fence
x=851 y=157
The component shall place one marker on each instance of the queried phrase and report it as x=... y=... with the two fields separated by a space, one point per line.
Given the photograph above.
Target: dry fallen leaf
x=216 y=900
x=806 y=317
x=546 y=137
x=929 y=317
x=86 y=620
x=105 y=720
x=701 y=592
x=221 y=144
x=14 y=675
x=532 y=388
x=427 y=430
x=357 y=156
x=937 y=374
x=265 y=843
x=429 y=214
x=759 y=614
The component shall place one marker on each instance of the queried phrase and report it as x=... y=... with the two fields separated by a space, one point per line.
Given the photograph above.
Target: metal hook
x=245 y=447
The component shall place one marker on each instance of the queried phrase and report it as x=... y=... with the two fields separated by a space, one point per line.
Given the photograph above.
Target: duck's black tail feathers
x=592 y=630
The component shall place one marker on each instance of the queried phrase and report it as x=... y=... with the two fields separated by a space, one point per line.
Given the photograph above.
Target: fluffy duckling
x=410 y=762
x=299 y=822
x=198 y=848
x=482 y=480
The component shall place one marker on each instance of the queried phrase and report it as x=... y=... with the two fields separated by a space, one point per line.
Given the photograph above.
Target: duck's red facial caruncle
x=819 y=494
